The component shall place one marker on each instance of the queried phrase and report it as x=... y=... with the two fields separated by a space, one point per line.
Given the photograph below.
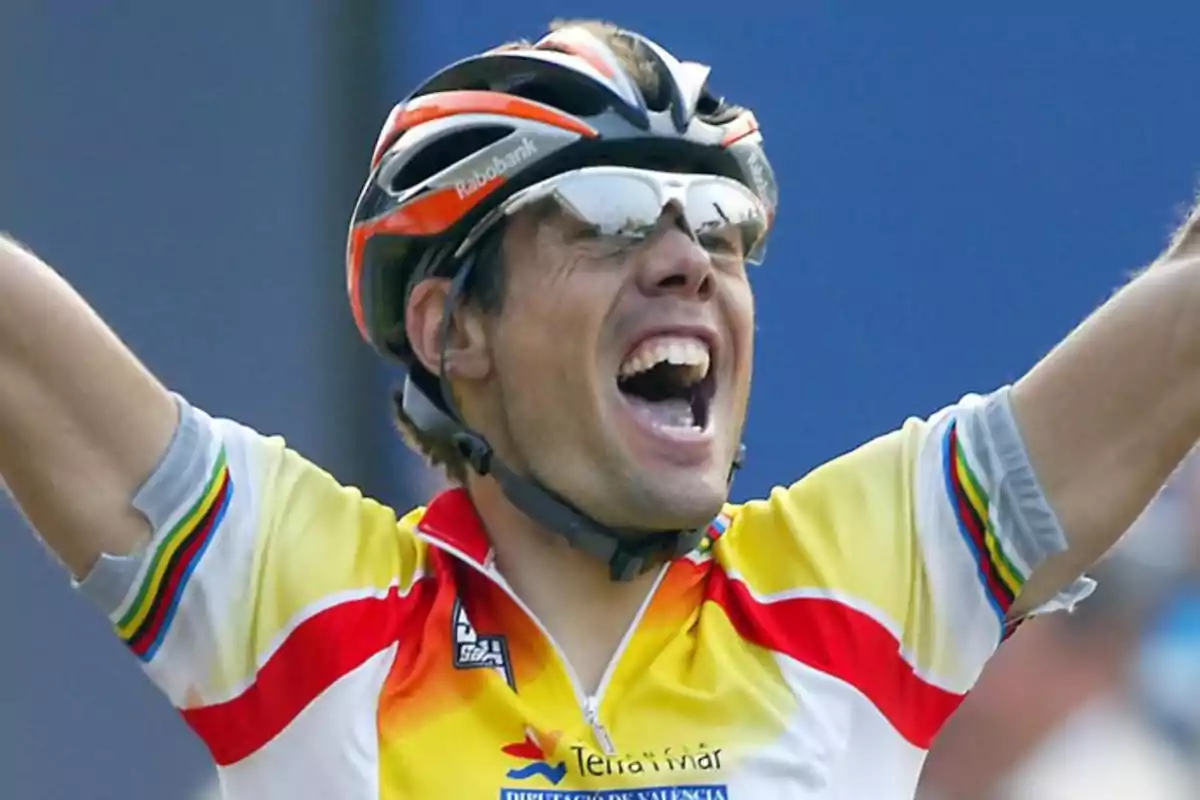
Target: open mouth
x=670 y=380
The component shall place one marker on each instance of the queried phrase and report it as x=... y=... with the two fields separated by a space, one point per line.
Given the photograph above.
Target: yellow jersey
x=324 y=647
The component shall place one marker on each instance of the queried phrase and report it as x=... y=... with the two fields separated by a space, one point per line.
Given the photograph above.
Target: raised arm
x=1111 y=411
x=82 y=422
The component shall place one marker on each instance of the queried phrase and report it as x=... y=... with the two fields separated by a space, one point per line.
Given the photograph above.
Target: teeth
x=684 y=351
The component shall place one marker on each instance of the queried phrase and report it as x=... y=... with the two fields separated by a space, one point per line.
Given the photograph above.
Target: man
x=554 y=239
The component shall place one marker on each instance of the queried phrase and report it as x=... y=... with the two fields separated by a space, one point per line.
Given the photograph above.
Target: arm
x=1111 y=411
x=245 y=579
x=82 y=423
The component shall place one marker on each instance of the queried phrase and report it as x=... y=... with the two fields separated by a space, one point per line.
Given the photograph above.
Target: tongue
x=673 y=413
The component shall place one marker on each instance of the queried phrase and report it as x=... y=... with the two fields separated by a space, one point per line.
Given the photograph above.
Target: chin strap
x=627 y=553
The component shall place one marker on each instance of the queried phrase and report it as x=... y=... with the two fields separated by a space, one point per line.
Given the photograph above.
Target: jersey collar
x=451 y=520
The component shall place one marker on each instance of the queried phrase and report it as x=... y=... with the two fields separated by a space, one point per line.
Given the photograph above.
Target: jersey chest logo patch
x=473 y=651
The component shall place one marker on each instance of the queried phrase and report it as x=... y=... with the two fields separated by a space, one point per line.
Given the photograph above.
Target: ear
x=466 y=350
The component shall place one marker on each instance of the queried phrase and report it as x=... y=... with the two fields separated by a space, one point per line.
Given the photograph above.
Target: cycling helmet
x=484 y=128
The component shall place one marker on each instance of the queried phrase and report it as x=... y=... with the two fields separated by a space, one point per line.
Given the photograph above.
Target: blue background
x=960 y=187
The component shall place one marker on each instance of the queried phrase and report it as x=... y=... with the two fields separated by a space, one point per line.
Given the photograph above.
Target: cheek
x=560 y=316
x=543 y=348
x=740 y=307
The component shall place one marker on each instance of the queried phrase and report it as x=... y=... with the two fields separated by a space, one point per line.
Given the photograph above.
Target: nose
x=674 y=263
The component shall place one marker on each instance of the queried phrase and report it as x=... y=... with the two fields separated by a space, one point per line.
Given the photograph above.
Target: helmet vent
x=571 y=96
x=655 y=89
x=708 y=105
x=647 y=70
x=444 y=152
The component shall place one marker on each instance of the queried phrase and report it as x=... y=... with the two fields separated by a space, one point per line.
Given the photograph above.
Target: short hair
x=485 y=290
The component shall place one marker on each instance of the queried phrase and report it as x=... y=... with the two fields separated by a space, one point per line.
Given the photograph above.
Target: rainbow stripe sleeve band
x=1001 y=579
x=171 y=563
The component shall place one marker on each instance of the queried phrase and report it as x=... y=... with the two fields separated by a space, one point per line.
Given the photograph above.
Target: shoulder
x=841 y=504
x=846 y=531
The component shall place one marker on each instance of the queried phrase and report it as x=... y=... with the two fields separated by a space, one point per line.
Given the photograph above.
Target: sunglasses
x=625 y=205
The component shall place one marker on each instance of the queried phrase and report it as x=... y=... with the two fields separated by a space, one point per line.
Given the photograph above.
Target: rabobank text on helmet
x=500 y=165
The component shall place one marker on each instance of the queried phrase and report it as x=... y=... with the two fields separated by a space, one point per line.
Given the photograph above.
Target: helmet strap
x=627 y=553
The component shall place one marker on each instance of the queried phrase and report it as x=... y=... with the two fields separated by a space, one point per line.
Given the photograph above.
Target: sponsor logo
x=699 y=759
x=532 y=751
x=586 y=766
x=472 y=651
x=711 y=792
x=500 y=165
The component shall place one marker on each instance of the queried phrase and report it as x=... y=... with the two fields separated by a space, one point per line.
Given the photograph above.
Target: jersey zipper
x=592 y=707
x=591 y=713
x=588 y=704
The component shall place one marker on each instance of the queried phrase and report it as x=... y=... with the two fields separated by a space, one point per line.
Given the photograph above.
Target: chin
x=677 y=503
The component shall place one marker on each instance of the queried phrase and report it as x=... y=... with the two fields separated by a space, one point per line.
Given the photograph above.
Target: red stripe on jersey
x=322 y=649
x=844 y=643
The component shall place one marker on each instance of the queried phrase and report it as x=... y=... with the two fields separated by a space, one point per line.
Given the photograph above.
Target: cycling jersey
x=812 y=646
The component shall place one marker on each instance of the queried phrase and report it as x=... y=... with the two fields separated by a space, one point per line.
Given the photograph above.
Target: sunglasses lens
x=612 y=205
x=724 y=216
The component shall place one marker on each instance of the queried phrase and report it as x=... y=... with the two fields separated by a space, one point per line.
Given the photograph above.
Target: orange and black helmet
x=489 y=125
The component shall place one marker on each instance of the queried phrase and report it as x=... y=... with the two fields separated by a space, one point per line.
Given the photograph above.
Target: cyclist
x=557 y=240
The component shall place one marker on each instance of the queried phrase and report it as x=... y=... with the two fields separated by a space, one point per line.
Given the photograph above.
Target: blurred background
x=960 y=187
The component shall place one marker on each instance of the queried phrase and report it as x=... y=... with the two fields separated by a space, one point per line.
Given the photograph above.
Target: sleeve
x=250 y=541
x=918 y=541
x=981 y=525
